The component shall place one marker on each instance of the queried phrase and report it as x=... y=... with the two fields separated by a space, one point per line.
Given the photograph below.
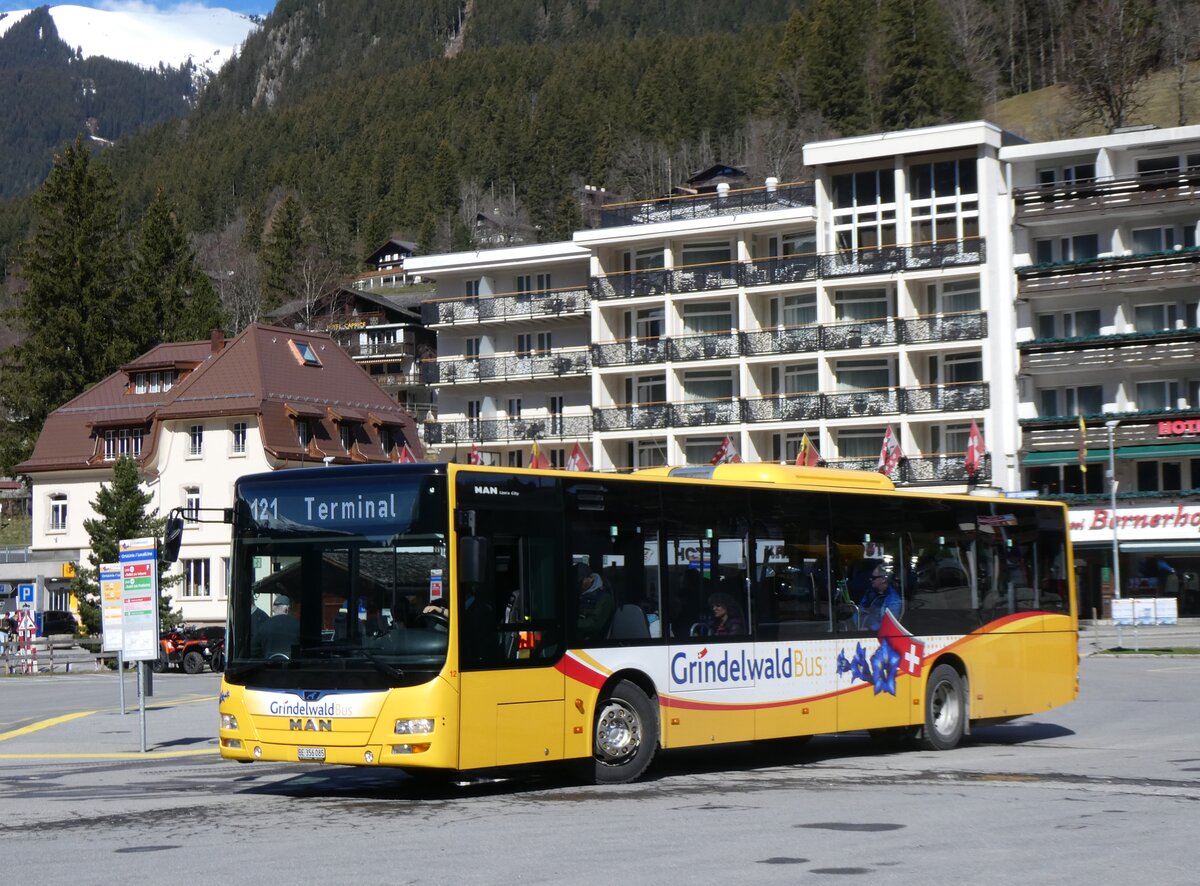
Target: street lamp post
x=1111 y=424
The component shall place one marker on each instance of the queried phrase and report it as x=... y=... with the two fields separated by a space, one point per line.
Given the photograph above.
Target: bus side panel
x=862 y=706
x=995 y=671
x=511 y=716
x=1051 y=665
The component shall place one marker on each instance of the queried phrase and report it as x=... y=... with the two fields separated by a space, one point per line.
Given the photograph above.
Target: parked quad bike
x=189 y=649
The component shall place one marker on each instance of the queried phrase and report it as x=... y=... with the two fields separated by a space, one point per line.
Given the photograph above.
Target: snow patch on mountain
x=147 y=37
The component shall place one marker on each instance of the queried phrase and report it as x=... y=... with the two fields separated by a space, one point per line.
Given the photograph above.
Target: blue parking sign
x=24 y=594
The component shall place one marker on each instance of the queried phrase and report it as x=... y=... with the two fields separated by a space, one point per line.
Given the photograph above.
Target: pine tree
x=121 y=514
x=282 y=247
x=71 y=316
x=171 y=297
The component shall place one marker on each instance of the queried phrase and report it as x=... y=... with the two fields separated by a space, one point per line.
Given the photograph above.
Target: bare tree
x=1113 y=52
x=234 y=272
x=973 y=29
x=1180 y=28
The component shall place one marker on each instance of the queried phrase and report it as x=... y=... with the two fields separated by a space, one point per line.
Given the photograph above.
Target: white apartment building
x=877 y=294
x=1107 y=266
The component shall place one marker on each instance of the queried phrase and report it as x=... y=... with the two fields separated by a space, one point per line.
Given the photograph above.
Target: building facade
x=1108 y=332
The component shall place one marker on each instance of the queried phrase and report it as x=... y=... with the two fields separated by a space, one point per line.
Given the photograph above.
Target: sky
x=249 y=7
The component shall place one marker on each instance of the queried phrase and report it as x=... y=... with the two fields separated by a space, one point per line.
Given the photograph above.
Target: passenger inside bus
x=281 y=632
x=727 y=615
x=881 y=595
x=596 y=605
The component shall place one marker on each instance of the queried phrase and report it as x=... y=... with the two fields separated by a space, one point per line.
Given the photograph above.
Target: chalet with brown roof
x=197 y=416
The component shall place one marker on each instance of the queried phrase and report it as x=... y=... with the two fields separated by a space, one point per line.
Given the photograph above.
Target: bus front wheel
x=626 y=734
x=945 y=710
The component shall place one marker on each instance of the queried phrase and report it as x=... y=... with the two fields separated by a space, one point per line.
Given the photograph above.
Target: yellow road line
x=44 y=724
x=116 y=755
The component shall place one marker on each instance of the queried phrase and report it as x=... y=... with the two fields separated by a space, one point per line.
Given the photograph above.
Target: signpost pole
x=121 y=678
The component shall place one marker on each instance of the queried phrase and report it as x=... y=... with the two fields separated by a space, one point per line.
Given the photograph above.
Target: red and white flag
x=976 y=450
x=808 y=455
x=474 y=458
x=910 y=649
x=726 y=453
x=537 y=458
x=578 y=460
x=406 y=456
x=889 y=453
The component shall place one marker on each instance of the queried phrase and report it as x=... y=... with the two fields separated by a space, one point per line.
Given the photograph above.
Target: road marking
x=116 y=755
x=44 y=724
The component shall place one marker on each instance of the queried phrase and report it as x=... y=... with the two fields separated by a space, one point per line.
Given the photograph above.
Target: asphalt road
x=1105 y=790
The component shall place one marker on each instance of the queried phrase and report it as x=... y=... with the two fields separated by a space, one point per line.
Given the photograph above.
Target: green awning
x=1063 y=457
x=1160 y=451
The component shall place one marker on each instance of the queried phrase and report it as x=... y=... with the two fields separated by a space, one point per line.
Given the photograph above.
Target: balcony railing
x=789 y=269
x=698 y=413
x=1112 y=272
x=506 y=306
x=356 y=348
x=963 y=396
x=710 y=346
x=1174 y=347
x=926 y=470
x=860 y=334
x=966 y=326
x=855 y=404
x=782 y=340
x=784 y=407
x=633 y=417
x=630 y=352
x=501 y=430
x=1058 y=199
x=505 y=367
x=799 y=194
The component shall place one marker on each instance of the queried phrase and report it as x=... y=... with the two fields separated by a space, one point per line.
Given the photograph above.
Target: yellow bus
x=458 y=617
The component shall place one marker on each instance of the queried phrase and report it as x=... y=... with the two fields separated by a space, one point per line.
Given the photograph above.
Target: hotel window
x=1154 y=318
x=303 y=432
x=950 y=439
x=1069 y=324
x=645 y=324
x=864 y=209
x=123 y=442
x=799 y=244
x=1081 y=247
x=1079 y=172
x=474 y=417
x=699 y=450
x=191 y=503
x=1156 y=396
x=707 y=385
x=1160 y=239
x=1068 y=479
x=196 y=440
x=860 y=304
x=647 y=453
x=514 y=407
x=1150 y=166
x=944 y=200
x=524 y=344
x=646 y=390
x=58 y=511
x=544 y=343
x=796 y=379
x=1082 y=400
x=516 y=458
x=471 y=288
x=644 y=260
x=1167 y=476
x=543 y=283
x=862 y=375
x=239 y=438
x=953 y=297
x=471 y=348
x=196 y=578
x=794 y=310
x=554 y=408
x=960 y=368
x=524 y=284
x=860 y=444
x=708 y=317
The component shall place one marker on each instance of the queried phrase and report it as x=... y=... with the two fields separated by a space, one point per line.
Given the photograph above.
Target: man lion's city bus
x=456 y=617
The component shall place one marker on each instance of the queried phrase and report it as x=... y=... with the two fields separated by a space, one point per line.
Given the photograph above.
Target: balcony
x=782 y=340
x=859 y=404
x=356 y=348
x=1060 y=200
x=508 y=430
x=1061 y=432
x=630 y=352
x=633 y=417
x=1174 y=348
x=965 y=326
x=783 y=407
x=860 y=334
x=711 y=346
x=507 y=306
x=787 y=270
x=645 y=212
x=507 y=367
x=959 y=397
x=699 y=413
x=1138 y=271
x=923 y=470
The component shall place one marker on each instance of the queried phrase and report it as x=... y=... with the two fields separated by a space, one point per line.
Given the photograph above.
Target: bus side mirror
x=472 y=559
x=172 y=537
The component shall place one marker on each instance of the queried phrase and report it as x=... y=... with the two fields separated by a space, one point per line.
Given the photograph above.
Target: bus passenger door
x=510 y=635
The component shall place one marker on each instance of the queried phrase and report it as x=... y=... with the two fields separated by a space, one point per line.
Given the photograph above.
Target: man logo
x=486 y=490
x=310 y=725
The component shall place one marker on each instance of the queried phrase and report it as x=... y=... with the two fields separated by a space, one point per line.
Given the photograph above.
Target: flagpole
x=1111 y=424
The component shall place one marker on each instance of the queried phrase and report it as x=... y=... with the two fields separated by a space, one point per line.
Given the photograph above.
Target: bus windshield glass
x=339 y=583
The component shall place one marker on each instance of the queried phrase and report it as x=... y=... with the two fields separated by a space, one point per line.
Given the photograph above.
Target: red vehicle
x=190 y=649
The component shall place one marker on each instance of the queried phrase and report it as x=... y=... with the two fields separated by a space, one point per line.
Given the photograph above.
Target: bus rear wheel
x=945 y=710
x=626 y=734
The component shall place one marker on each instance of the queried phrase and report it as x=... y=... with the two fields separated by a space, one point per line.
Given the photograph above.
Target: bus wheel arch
x=625 y=731
x=947 y=708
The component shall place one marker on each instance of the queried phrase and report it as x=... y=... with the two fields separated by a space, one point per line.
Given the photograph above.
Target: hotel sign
x=1181 y=522
x=1180 y=427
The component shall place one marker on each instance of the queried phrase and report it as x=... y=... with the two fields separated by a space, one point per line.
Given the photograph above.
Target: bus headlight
x=228 y=721
x=414 y=727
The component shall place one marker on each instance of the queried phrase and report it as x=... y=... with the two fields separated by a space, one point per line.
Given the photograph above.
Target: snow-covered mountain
x=146 y=37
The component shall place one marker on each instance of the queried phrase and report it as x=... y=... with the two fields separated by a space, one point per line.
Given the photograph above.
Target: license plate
x=310 y=753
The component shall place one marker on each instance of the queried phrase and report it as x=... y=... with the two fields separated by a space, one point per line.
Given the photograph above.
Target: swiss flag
x=407 y=457
x=889 y=453
x=578 y=460
x=910 y=649
x=976 y=450
x=537 y=458
x=807 y=456
x=726 y=453
x=474 y=458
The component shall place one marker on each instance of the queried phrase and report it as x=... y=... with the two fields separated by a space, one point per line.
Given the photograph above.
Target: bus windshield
x=339 y=583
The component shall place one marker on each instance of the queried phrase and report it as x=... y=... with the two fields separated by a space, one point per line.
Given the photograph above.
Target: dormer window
x=119 y=442
x=155 y=382
x=304 y=352
x=303 y=432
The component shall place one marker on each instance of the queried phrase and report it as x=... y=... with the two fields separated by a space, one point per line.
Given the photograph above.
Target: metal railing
x=644 y=212
x=506 y=306
x=505 y=367
x=499 y=430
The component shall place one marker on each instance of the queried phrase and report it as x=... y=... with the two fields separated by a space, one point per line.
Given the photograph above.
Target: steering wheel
x=279 y=656
x=434 y=621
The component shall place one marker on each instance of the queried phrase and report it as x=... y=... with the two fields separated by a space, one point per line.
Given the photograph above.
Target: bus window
x=612 y=564
x=944 y=595
x=790 y=575
x=867 y=541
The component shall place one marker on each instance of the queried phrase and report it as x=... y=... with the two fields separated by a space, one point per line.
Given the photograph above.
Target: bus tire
x=945 y=710
x=626 y=734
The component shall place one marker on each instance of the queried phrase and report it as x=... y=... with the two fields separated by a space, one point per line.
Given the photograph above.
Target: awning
x=1062 y=457
x=1160 y=451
